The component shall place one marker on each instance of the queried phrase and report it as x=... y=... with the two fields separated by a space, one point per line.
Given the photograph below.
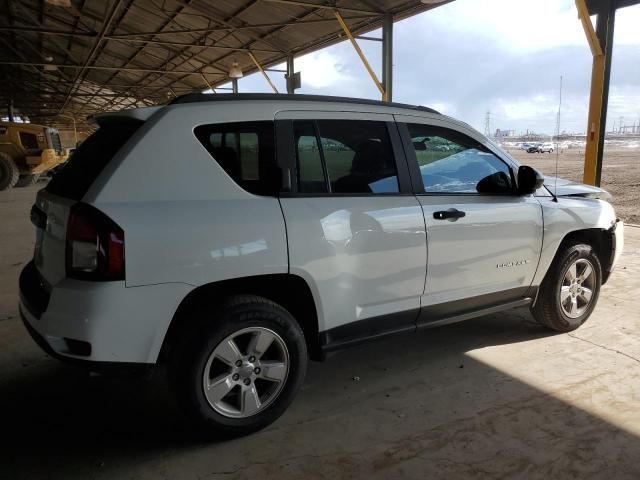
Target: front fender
x=567 y=216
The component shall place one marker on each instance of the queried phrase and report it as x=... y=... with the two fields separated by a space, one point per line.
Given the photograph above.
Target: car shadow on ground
x=410 y=405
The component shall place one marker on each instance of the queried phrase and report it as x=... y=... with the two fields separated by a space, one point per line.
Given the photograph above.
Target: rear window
x=246 y=151
x=29 y=140
x=83 y=167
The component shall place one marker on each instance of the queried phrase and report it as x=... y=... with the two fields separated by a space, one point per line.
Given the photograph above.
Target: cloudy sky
x=473 y=56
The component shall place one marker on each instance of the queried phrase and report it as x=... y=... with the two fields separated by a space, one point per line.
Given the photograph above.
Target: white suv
x=232 y=237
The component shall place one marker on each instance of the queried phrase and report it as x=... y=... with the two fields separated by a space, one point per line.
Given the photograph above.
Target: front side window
x=344 y=156
x=451 y=162
x=246 y=152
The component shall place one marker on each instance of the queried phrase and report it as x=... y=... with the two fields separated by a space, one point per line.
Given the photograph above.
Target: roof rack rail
x=208 y=97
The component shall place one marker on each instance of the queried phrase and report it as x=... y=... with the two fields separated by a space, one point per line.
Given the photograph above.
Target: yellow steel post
x=595 y=97
x=264 y=74
x=373 y=75
x=592 y=38
x=208 y=84
x=593 y=122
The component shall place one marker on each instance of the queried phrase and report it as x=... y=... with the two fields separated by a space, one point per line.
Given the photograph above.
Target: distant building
x=504 y=133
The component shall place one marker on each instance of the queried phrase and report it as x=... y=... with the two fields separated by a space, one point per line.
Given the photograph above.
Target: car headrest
x=369 y=158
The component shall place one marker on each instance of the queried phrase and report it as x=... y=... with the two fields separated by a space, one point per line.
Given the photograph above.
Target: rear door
x=355 y=230
x=484 y=240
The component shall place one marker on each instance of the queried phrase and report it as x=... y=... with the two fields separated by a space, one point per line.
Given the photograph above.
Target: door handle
x=450 y=214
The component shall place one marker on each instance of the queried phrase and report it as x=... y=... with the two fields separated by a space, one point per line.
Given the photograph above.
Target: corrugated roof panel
x=136 y=52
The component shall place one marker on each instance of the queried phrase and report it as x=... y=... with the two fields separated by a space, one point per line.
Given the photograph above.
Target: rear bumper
x=104 y=322
x=120 y=368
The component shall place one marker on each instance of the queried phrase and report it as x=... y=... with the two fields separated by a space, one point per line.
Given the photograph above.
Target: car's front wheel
x=240 y=370
x=570 y=289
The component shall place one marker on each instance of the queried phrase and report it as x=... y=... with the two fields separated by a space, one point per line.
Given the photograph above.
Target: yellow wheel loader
x=26 y=152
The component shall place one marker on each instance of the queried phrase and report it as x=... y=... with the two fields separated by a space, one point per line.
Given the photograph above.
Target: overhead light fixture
x=235 y=71
x=48 y=58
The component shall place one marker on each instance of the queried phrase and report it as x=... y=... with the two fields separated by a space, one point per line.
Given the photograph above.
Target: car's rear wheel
x=9 y=173
x=570 y=290
x=241 y=368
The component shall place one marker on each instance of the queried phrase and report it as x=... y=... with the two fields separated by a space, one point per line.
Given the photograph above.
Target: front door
x=355 y=231
x=484 y=239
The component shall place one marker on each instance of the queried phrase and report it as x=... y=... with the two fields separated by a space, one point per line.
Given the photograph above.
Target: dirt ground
x=495 y=397
x=620 y=174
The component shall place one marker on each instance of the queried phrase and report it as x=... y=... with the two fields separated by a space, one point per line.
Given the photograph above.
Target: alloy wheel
x=246 y=372
x=576 y=291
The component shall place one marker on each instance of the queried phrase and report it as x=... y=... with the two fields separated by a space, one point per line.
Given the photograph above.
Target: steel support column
x=601 y=43
x=604 y=30
x=234 y=85
x=387 y=57
x=10 y=112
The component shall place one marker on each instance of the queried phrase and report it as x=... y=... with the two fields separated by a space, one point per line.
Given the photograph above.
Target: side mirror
x=529 y=180
x=495 y=183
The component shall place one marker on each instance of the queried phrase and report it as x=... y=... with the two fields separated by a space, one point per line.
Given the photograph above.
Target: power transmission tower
x=487 y=124
x=558 y=116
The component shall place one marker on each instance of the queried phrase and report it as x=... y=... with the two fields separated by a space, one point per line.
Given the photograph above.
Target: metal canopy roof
x=80 y=57
x=597 y=6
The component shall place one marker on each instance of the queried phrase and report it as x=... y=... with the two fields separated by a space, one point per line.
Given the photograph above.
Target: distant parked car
x=546 y=148
x=542 y=148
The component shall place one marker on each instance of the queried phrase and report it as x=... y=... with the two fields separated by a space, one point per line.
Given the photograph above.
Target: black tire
x=27 y=180
x=548 y=310
x=188 y=359
x=9 y=173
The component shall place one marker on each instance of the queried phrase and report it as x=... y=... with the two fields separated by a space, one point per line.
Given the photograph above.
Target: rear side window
x=344 y=156
x=90 y=158
x=246 y=151
x=311 y=172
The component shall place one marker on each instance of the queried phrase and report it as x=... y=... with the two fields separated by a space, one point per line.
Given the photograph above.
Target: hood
x=569 y=188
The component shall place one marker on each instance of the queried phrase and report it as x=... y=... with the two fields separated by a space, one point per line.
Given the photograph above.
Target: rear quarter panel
x=185 y=220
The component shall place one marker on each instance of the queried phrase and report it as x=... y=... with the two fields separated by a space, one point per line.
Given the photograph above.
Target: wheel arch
x=289 y=291
x=600 y=239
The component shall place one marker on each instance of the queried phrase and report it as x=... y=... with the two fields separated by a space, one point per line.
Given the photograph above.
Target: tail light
x=95 y=245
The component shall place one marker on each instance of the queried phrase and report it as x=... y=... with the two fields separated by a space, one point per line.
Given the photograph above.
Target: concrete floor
x=493 y=397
